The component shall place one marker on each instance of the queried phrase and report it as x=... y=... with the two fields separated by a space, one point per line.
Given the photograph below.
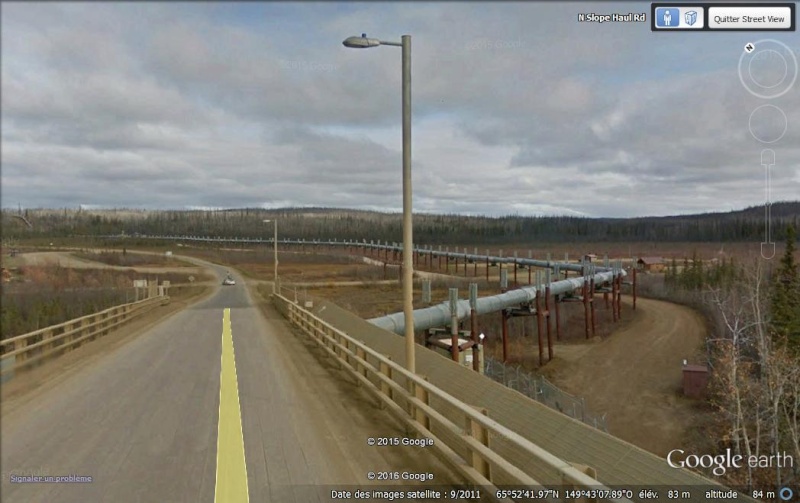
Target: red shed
x=695 y=379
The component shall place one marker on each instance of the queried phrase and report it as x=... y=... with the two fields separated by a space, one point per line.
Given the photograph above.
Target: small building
x=695 y=380
x=590 y=257
x=651 y=264
x=464 y=357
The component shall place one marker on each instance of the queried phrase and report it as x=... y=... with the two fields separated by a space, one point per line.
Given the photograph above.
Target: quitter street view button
x=751 y=17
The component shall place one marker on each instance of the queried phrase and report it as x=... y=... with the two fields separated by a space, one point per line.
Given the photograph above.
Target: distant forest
x=325 y=223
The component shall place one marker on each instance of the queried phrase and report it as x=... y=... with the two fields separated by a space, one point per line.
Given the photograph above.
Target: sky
x=518 y=108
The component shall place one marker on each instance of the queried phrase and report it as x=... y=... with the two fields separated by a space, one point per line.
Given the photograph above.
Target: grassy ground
x=130 y=259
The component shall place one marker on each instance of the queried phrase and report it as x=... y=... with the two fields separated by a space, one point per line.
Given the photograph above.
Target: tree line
x=445 y=229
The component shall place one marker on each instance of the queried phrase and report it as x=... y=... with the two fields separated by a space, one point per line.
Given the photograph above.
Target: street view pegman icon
x=667 y=17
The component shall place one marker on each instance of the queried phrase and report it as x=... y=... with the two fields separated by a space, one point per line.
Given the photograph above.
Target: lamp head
x=361 y=42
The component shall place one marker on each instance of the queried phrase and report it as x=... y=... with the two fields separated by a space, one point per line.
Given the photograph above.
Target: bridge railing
x=461 y=438
x=34 y=347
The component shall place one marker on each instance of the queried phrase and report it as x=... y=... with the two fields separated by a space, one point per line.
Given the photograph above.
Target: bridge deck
x=142 y=421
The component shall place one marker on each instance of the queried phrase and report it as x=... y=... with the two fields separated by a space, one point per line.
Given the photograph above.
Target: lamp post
x=363 y=42
x=275 y=248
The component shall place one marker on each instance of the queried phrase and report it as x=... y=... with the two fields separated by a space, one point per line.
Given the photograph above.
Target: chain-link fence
x=542 y=390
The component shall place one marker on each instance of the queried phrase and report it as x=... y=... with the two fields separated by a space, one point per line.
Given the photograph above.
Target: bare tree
x=756 y=379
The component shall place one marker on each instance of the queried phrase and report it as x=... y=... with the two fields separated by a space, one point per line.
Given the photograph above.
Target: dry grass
x=131 y=259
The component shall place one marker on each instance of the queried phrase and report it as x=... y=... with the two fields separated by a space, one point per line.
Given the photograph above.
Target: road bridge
x=144 y=421
x=227 y=402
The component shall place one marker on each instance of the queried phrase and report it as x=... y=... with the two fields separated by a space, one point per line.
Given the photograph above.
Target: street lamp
x=275 y=247
x=363 y=42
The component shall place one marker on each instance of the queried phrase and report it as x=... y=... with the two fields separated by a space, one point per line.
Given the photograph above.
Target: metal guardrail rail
x=422 y=407
x=26 y=349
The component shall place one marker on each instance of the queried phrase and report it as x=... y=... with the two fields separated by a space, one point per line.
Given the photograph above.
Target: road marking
x=231 y=484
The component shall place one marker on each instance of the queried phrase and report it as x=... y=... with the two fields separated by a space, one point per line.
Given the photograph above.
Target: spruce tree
x=786 y=295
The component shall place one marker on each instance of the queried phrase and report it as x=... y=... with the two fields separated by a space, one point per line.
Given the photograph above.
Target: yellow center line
x=231 y=486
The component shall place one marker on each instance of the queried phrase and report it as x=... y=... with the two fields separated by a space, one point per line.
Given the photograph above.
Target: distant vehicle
x=229 y=280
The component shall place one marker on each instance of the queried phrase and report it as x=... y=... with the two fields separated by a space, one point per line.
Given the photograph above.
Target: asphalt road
x=144 y=421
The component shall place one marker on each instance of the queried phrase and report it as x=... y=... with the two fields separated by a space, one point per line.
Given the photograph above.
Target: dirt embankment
x=635 y=375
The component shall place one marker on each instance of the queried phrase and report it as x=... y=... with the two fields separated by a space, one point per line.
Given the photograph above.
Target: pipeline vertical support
x=473 y=318
x=447 y=260
x=505 y=335
x=454 y=323
x=500 y=262
x=614 y=296
x=619 y=296
x=633 y=271
x=529 y=274
x=591 y=304
x=539 y=327
x=465 y=262
x=557 y=301
x=547 y=321
x=586 y=314
x=530 y=256
x=475 y=263
x=516 y=285
x=487 y=266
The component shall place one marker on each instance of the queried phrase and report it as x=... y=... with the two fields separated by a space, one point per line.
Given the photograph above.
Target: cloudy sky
x=517 y=108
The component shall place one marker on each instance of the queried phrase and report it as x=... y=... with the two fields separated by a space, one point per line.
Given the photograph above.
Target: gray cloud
x=517 y=108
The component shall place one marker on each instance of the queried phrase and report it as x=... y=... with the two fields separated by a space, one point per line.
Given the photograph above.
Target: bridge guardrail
x=410 y=396
x=26 y=349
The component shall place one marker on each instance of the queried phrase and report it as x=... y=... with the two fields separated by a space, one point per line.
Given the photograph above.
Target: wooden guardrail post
x=344 y=351
x=421 y=394
x=19 y=358
x=477 y=431
x=588 y=470
x=359 y=366
x=335 y=344
x=387 y=390
x=78 y=328
x=47 y=335
x=85 y=322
